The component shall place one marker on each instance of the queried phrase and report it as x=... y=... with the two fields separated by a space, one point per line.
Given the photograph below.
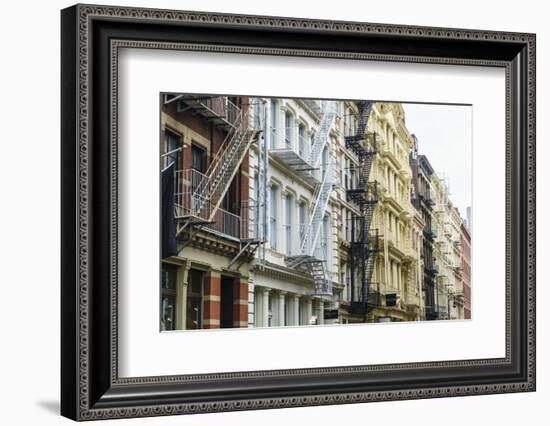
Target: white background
x=29 y=226
x=141 y=345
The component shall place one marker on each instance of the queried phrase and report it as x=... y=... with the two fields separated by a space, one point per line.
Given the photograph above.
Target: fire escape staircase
x=310 y=254
x=208 y=190
x=364 y=245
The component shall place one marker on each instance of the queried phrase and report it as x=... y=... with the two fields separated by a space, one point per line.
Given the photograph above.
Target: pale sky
x=444 y=135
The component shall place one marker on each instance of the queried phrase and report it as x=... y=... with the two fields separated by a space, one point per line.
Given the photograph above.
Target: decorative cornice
x=284 y=273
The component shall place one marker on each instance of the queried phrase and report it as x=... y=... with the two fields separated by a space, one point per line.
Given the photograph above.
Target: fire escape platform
x=197 y=104
x=358 y=144
x=360 y=196
x=300 y=259
x=296 y=163
x=193 y=219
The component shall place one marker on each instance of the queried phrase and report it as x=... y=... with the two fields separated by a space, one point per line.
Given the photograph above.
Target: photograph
x=279 y=212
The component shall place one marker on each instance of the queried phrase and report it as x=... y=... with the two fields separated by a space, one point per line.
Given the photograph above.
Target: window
x=348 y=225
x=348 y=280
x=273 y=217
x=274 y=122
x=289 y=130
x=324 y=162
x=194 y=300
x=302 y=218
x=325 y=242
x=168 y=297
x=346 y=173
x=198 y=158
x=289 y=211
x=170 y=149
x=349 y=122
x=301 y=140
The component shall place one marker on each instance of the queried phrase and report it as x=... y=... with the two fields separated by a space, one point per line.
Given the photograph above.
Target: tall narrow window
x=289 y=209
x=325 y=241
x=301 y=140
x=274 y=107
x=198 y=166
x=289 y=130
x=198 y=158
x=324 y=162
x=194 y=299
x=302 y=218
x=170 y=150
x=346 y=173
x=168 y=296
x=273 y=217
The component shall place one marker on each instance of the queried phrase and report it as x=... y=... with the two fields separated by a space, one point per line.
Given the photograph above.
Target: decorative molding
x=88 y=12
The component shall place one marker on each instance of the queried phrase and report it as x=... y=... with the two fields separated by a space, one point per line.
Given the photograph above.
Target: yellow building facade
x=395 y=285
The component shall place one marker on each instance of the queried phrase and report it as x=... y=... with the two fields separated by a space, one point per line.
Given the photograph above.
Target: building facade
x=300 y=212
x=422 y=196
x=293 y=174
x=447 y=249
x=204 y=282
x=395 y=285
x=466 y=269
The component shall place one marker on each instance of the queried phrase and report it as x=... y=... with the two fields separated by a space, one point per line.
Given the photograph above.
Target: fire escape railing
x=323 y=169
x=208 y=189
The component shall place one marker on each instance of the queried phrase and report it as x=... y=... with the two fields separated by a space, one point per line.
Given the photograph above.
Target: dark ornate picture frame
x=90 y=38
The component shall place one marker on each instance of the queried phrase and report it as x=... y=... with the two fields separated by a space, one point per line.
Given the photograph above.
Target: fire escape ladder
x=313 y=228
x=321 y=280
x=364 y=244
x=310 y=254
x=320 y=140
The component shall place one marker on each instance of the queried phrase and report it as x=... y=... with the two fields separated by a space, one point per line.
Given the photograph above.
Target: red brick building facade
x=206 y=284
x=466 y=270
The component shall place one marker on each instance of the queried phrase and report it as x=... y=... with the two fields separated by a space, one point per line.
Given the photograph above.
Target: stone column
x=265 y=307
x=308 y=310
x=282 y=295
x=296 y=310
x=320 y=312
x=258 y=307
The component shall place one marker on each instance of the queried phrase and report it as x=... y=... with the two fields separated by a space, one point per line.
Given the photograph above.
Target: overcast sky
x=444 y=135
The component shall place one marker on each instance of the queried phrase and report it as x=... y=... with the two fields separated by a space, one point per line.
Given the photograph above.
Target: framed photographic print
x=263 y=212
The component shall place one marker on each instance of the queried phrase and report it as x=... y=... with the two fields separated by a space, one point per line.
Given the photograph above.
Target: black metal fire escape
x=364 y=244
